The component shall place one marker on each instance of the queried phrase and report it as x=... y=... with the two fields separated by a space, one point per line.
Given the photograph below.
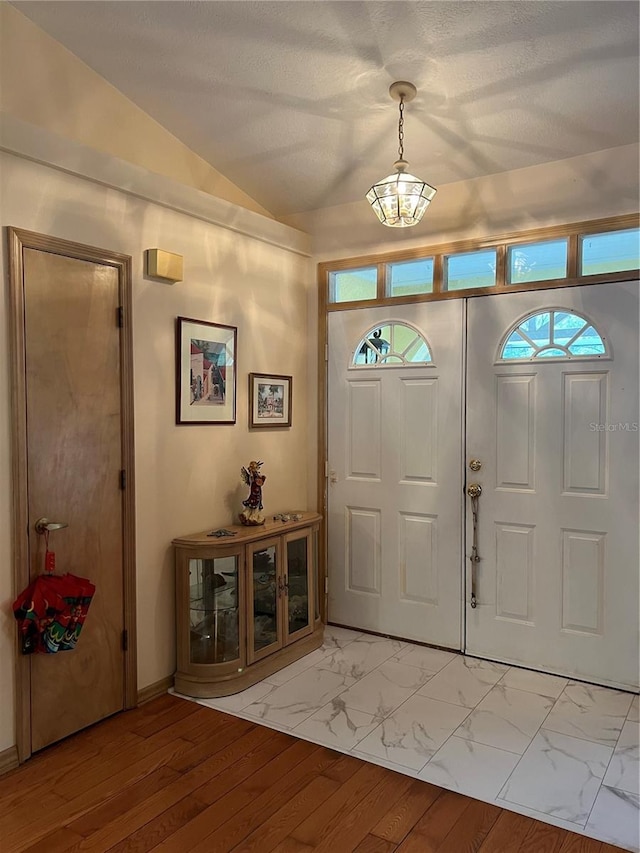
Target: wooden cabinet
x=247 y=605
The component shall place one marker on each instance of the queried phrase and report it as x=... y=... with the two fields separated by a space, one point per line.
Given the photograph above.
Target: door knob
x=474 y=490
x=43 y=525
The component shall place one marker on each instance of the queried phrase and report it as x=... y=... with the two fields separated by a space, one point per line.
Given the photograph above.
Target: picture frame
x=270 y=400
x=206 y=372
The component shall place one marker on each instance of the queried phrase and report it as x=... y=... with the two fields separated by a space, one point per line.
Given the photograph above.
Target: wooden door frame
x=19 y=240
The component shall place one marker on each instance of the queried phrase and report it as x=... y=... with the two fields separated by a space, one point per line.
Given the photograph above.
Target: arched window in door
x=555 y=333
x=391 y=344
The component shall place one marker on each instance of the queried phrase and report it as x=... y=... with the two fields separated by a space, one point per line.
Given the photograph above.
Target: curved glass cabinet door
x=214 y=617
x=264 y=586
x=298 y=590
x=314 y=568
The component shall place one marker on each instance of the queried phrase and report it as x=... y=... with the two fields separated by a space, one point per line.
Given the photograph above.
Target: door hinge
x=326 y=585
x=123 y=479
x=119 y=316
x=326 y=352
x=125 y=640
x=326 y=469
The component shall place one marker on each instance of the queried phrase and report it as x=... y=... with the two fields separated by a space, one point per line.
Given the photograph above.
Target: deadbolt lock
x=475 y=464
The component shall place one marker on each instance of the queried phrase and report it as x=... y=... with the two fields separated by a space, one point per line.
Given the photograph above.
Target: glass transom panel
x=407 y=278
x=470 y=269
x=552 y=334
x=543 y=261
x=613 y=251
x=392 y=344
x=353 y=285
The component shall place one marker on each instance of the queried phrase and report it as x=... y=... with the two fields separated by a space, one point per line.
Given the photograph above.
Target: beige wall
x=187 y=477
x=41 y=82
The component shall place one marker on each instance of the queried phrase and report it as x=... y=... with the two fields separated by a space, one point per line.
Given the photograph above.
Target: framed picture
x=205 y=372
x=269 y=400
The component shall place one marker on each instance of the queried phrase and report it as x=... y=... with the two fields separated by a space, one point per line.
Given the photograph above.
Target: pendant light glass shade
x=400 y=200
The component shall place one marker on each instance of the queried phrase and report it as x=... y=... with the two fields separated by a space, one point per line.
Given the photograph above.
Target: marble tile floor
x=563 y=752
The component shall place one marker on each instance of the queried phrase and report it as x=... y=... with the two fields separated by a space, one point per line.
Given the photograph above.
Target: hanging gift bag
x=52 y=610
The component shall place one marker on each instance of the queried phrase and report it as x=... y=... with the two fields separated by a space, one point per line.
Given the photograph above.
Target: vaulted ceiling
x=290 y=100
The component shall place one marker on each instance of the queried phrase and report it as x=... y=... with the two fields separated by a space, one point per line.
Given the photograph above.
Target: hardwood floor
x=174 y=776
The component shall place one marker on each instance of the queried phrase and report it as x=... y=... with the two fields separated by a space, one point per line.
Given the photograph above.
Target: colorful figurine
x=252 y=514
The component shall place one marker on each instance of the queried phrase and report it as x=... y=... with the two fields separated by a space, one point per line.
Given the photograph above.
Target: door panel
x=395 y=498
x=74 y=453
x=557 y=583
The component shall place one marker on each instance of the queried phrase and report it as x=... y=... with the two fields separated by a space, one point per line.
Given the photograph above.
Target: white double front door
x=557 y=582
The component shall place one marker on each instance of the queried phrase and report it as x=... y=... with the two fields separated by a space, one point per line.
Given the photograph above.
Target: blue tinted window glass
x=538 y=328
x=537 y=261
x=610 y=252
x=588 y=342
x=410 y=277
x=566 y=327
x=517 y=347
x=471 y=269
x=553 y=334
x=353 y=285
x=418 y=352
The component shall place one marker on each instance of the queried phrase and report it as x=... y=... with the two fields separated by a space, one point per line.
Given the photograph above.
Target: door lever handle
x=43 y=525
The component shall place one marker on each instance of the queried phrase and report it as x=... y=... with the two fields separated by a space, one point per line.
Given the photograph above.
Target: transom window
x=391 y=344
x=553 y=333
x=604 y=250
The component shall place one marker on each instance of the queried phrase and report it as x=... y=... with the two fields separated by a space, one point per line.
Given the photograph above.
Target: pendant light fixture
x=400 y=200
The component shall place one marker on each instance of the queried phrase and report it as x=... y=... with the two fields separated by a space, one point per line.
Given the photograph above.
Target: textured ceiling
x=290 y=100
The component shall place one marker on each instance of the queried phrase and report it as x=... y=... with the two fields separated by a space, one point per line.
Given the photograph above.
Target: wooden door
x=394 y=446
x=552 y=415
x=74 y=403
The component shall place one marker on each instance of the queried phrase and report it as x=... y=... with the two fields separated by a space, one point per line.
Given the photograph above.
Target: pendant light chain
x=401 y=130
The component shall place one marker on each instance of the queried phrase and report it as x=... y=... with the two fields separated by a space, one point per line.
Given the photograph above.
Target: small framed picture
x=269 y=400
x=205 y=372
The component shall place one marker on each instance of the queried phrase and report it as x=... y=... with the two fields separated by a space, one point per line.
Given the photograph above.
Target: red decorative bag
x=51 y=612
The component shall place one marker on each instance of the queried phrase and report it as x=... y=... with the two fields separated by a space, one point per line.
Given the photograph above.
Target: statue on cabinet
x=252 y=515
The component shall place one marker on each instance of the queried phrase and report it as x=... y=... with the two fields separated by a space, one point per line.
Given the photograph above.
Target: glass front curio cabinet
x=247 y=604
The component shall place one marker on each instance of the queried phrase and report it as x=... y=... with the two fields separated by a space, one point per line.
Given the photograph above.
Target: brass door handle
x=474 y=490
